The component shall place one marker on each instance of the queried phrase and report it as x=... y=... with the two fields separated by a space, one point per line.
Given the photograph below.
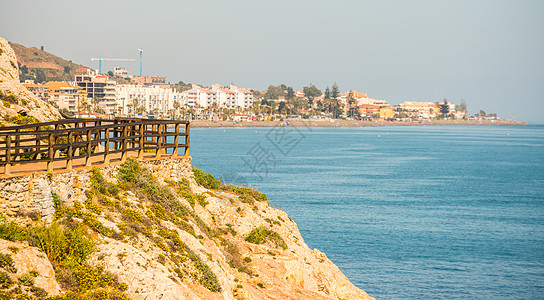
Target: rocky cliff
x=16 y=101
x=157 y=229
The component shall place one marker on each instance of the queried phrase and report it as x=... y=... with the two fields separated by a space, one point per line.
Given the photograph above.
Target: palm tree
x=176 y=106
x=95 y=102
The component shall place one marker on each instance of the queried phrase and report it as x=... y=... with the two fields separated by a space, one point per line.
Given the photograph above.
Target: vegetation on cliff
x=149 y=230
x=67 y=243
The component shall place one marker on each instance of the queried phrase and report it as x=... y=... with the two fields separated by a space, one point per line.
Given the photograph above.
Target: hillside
x=17 y=104
x=154 y=229
x=43 y=66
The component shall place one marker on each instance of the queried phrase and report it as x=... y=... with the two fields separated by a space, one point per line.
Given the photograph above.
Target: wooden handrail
x=85 y=138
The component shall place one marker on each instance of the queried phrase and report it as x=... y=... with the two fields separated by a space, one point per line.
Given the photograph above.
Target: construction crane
x=100 y=59
x=141 y=51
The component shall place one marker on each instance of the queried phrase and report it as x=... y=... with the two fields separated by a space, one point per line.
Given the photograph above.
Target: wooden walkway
x=66 y=144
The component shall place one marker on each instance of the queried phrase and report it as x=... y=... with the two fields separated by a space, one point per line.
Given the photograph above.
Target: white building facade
x=232 y=97
x=153 y=100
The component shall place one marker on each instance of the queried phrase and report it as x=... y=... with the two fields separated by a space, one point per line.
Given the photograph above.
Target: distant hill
x=43 y=66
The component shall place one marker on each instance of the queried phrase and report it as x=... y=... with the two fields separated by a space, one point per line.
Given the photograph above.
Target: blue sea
x=419 y=212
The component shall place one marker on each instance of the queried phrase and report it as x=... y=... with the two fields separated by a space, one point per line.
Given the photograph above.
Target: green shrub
x=6 y=104
x=26 y=279
x=5 y=280
x=100 y=185
x=133 y=215
x=6 y=262
x=246 y=194
x=38 y=292
x=22 y=120
x=138 y=179
x=60 y=244
x=189 y=197
x=261 y=235
x=247 y=259
x=206 y=180
x=161 y=259
x=202 y=200
x=11 y=231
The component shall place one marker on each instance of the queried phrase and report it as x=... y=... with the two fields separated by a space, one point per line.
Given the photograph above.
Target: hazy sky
x=489 y=53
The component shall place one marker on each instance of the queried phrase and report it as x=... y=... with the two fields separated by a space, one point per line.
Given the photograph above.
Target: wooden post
x=159 y=141
x=176 y=141
x=88 y=158
x=124 y=145
x=7 y=167
x=17 y=143
x=38 y=141
x=51 y=153
x=187 y=139
x=70 y=150
x=77 y=139
x=107 y=147
x=155 y=131
x=141 y=140
x=57 y=153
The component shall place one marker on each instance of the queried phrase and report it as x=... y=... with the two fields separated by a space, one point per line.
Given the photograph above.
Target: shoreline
x=344 y=123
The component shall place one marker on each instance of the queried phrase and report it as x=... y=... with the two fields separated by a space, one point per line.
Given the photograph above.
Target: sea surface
x=422 y=212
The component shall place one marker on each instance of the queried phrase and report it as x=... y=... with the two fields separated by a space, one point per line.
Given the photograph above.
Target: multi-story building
x=153 y=99
x=149 y=80
x=225 y=97
x=120 y=71
x=387 y=112
x=99 y=87
x=244 y=97
x=62 y=94
x=232 y=97
x=420 y=110
x=369 y=110
x=39 y=90
x=367 y=106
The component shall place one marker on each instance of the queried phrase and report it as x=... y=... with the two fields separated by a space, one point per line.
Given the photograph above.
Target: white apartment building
x=160 y=99
x=244 y=97
x=120 y=71
x=231 y=97
x=154 y=99
x=424 y=110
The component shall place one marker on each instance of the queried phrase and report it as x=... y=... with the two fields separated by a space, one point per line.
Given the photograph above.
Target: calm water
x=435 y=212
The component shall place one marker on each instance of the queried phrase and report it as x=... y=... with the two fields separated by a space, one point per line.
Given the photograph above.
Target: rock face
x=9 y=84
x=26 y=259
x=214 y=235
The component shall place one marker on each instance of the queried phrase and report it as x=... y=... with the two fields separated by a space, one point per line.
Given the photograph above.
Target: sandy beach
x=345 y=123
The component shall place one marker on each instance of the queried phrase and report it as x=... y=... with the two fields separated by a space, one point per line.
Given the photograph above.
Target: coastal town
x=85 y=92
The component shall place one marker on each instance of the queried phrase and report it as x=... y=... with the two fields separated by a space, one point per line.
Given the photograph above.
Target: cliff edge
x=159 y=229
x=17 y=104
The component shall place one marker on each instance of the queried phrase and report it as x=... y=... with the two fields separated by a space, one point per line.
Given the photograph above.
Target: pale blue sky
x=489 y=53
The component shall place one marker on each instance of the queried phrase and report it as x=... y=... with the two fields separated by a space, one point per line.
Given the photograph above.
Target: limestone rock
x=28 y=258
x=9 y=84
x=243 y=270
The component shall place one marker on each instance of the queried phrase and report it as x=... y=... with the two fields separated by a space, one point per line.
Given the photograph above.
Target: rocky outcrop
x=27 y=259
x=212 y=235
x=24 y=100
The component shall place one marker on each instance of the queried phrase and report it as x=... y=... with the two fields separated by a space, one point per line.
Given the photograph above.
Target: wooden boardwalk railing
x=67 y=140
